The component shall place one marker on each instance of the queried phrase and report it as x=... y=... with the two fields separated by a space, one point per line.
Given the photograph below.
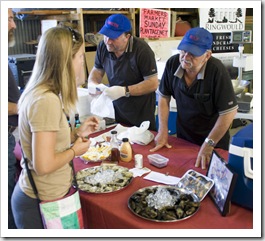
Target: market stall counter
x=110 y=210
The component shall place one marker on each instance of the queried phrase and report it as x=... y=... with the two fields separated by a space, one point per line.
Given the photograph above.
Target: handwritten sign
x=154 y=23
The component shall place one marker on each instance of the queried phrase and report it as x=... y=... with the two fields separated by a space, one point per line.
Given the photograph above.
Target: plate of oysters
x=163 y=203
x=105 y=178
x=97 y=153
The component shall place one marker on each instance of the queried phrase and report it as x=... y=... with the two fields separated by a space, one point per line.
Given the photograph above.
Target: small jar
x=138 y=161
x=125 y=150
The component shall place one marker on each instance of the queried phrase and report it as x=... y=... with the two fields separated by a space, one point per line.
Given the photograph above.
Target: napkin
x=103 y=137
x=139 y=135
x=162 y=178
x=138 y=172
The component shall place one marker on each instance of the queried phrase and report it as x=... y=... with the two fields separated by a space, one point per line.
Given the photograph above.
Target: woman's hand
x=89 y=126
x=81 y=146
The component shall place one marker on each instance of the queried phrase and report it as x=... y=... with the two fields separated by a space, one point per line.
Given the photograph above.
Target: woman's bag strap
x=31 y=180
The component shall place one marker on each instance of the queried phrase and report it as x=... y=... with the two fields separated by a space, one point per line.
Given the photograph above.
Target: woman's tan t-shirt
x=44 y=113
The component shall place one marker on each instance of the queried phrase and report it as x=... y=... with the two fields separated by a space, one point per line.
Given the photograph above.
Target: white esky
x=255 y=232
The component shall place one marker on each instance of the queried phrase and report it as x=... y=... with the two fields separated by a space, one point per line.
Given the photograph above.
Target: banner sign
x=221 y=22
x=154 y=23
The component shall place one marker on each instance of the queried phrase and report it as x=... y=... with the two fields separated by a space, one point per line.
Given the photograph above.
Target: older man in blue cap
x=131 y=69
x=204 y=95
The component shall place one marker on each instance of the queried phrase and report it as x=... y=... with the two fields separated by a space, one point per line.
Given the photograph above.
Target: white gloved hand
x=95 y=89
x=114 y=92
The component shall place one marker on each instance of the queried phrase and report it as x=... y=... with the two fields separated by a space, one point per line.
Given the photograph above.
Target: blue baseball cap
x=196 y=41
x=115 y=25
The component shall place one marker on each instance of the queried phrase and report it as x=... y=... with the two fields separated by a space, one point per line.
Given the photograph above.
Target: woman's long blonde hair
x=53 y=69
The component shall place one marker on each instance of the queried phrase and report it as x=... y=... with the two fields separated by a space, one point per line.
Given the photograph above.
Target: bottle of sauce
x=77 y=121
x=115 y=152
x=126 y=150
x=69 y=122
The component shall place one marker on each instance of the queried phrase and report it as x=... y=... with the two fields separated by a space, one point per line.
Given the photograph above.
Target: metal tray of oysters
x=105 y=178
x=163 y=203
x=196 y=182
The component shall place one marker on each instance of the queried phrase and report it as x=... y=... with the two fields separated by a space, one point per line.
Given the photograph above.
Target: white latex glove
x=114 y=92
x=95 y=89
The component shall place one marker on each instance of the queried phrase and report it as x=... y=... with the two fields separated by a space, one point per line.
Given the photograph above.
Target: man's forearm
x=96 y=75
x=144 y=87
x=163 y=113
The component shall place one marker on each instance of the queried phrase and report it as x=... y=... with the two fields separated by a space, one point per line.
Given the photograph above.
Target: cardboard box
x=90 y=60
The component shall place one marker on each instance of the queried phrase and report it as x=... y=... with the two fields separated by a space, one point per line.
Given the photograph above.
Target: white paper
x=138 y=172
x=162 y=178
x=47 y=24
x=103 y=137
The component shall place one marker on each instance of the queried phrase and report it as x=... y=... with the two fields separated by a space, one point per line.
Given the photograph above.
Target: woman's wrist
x=73 y=151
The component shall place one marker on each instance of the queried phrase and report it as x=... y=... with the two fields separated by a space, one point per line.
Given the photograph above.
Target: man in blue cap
x=204 y=95
x=131 y=69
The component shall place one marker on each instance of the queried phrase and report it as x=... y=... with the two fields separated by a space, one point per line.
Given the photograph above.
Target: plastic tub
x=157 y=160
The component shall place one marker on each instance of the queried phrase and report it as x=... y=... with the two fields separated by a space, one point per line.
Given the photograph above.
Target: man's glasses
x=183 y=52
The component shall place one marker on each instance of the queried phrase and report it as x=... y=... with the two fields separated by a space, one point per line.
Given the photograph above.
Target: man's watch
x=127 y=92
x=210 y=142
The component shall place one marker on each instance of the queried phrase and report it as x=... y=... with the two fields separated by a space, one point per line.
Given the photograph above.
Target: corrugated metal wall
x=26 y=31
x=30 y=29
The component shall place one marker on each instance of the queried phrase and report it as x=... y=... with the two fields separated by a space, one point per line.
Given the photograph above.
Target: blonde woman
x=49 y=96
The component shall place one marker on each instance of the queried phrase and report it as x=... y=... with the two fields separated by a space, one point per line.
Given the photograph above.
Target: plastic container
x=157 y=160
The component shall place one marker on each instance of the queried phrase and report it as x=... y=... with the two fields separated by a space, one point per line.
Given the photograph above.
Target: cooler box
x=240 y=160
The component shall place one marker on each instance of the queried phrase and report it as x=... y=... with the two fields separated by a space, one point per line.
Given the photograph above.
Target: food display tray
x=196 y=183
x=93 y=179
x=185 y=204
x=97 y=153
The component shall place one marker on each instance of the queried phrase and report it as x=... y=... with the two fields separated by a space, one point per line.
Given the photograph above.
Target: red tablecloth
x=111 y=210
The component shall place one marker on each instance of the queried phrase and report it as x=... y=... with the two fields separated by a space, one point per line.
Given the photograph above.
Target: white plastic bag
x=139 y=135
x=102 y=106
